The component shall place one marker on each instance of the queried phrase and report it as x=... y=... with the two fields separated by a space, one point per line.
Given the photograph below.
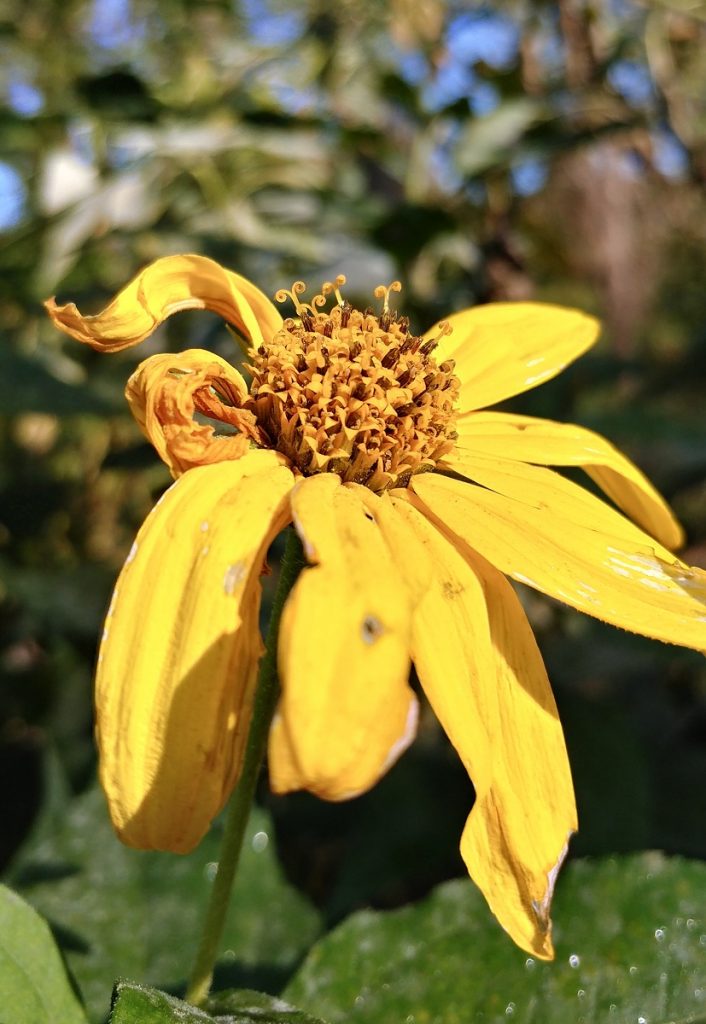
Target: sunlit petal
x=546 y=443
x=346 y=711
x=180 y=650
x=167 y=286
x=478 y=662
x=517 y=833
x=451 y=642
x=166 y=391
x=505 y=348
x=551 y=534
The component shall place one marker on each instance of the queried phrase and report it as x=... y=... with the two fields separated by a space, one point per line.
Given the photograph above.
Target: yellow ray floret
x=168 y=286
x=179 y=655
x=166 y=391
x=545 y=443
x=551 y=534
x=479 y=666
x=505 y=348
x=347 y=711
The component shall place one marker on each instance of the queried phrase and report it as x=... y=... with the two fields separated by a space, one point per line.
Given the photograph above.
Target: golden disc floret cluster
x=353 y=393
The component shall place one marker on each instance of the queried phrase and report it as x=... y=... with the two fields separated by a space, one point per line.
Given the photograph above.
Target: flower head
x=413 y=505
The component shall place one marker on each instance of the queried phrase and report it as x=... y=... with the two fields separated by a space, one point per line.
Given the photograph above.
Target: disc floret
x=353 y=392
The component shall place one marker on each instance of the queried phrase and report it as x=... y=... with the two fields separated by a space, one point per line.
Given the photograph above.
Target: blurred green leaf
x=139 y=914
x=136 y=1004
x=27 y=386
x=489 y=140
x=630 y=940
x=34 y=985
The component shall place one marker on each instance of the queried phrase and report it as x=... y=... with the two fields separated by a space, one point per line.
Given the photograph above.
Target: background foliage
x=554 y=150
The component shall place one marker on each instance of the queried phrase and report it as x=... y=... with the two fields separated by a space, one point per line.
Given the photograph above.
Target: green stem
x=238 y=813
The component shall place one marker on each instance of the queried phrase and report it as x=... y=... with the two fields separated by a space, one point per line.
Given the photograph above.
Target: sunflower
x=413 y=504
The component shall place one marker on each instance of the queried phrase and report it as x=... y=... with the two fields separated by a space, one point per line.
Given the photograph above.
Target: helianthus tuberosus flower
x=413 y=504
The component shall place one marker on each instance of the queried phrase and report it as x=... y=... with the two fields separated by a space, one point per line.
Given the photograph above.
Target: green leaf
x=136 y=1004
x=34 y=985
x=491 y=140
x=243 y=1006
x=630 y=939
x=26 y=385
x=121 y=912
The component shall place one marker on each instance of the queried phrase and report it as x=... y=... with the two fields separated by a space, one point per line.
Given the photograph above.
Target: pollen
x=353 y=392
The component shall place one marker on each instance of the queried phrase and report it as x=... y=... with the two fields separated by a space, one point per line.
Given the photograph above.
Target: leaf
x=132 y=914
x=136 y=1004
x=631 y=945
x=490 y=140
x=244 y=1006
x=27 y=385
x=34 y=985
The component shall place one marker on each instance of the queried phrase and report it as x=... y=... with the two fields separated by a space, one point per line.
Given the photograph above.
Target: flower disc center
x=353 y=393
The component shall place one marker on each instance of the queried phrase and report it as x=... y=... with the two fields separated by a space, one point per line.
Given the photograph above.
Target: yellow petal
x=168 y=286
x=451 y=643
x=179 y=655
x=346 y=711
x=504 y=348
x=517 y=834
x=554 y=536
x=546 y=443
x=414 y=559
x=480 y=667
x=166 y=391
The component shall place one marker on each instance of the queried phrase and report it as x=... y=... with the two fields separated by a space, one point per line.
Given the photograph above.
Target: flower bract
x=414 y=503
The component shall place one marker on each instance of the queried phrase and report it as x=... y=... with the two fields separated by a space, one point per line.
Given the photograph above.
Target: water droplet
x=409 y=1019
x=642 y=1020
x=690 y=923
x=260 y=841
x=612 y=1008
x=699 y=993
x=530 y=963
x=633 y=970
x=659 y=934
x=574 y=960
x=210 y=870
x=510 y=1009
x=581 y=994
x=702 y=940
x=359 y=1000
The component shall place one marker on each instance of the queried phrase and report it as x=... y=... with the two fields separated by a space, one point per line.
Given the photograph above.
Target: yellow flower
x=413 y=507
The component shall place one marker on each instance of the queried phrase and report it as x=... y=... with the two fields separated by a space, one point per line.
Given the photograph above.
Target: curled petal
x=178 y=660
x=505 y=348
x=166 y=391
x=346 y=711
x=545 y=443
x=168 y=286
